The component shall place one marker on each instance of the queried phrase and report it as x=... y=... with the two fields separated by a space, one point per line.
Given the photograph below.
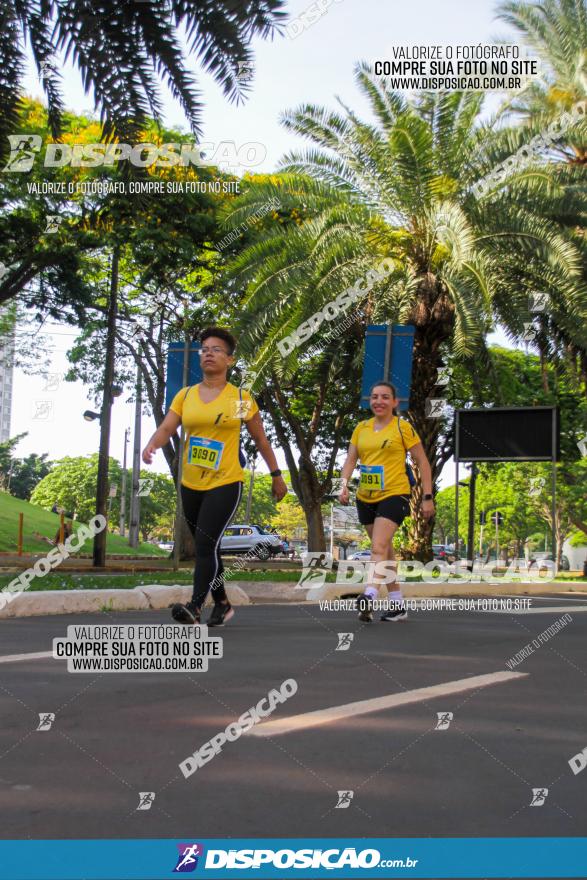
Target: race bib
x=372 y=478
x=205 y=453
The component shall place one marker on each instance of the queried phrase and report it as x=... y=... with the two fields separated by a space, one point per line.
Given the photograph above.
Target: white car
x=251 y=539
x=360 y=554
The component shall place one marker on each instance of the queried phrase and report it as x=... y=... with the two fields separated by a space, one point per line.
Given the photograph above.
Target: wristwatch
x=276 y=473
x=428 y=497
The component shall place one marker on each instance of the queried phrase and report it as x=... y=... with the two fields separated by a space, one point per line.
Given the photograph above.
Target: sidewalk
x=157 y=596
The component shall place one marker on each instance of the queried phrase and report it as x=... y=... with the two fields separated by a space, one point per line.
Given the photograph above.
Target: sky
x=314 y=67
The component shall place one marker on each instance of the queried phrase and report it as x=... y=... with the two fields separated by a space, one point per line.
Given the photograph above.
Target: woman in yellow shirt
x=212 y=474
x=383 y=497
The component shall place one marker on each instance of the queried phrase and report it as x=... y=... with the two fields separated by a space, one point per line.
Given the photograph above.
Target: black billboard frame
x=554 y=457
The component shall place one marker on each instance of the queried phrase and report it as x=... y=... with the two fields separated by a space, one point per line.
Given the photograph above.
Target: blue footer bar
x=505 y=857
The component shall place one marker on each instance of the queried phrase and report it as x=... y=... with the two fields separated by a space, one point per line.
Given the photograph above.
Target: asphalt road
x=115 y=735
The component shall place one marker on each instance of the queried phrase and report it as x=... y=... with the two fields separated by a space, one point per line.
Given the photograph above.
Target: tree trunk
x=433 y=316
x=315 y=523
x=187 y=550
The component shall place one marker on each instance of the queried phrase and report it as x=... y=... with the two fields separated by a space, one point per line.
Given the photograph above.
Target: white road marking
x=539 y=598
x=15 y=658
x=349 y=710
x=550 y=610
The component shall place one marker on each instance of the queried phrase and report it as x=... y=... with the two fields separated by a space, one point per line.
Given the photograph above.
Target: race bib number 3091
x=205 y=453
x=372 y=478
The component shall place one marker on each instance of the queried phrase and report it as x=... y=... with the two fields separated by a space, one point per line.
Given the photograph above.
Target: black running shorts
x=394 y=507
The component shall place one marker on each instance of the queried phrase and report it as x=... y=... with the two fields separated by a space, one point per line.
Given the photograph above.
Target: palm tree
x=122 y=48
x=556 y=31
x=402 y=189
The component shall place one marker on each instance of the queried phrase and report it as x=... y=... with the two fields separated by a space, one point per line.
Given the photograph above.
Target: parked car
x=248 y=538
x=445 y=552
x=360 y=554
x=548 y=557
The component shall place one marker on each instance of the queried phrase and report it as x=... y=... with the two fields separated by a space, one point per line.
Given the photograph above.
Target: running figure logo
x=241 y=408
x=344 y=800
x=54 y=221
x=344 y=641
x=245 y=71
x=146 y=799
x=22 y=151
x=316 y=565
x=530 y=332
x=188 y=857
x=43 y=410
x=539 y=795
x=444 y=719
x=145 y=487
x=444 y=375
x=46 y=719
x=435 y=407
x=52 y=382
x=538 y=302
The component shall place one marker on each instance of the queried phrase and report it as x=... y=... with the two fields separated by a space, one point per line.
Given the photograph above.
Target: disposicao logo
x=187 y=860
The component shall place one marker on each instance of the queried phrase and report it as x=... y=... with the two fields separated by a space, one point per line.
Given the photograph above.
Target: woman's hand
x=148 y=453
x=428 y=509
x=343 y=495
x=279 y=488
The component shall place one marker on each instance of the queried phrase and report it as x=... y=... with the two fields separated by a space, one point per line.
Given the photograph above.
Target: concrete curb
x=155 y=597
x=278 y=592
x=144 y=598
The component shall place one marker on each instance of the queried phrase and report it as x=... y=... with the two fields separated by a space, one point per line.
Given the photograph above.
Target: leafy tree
x=556 y=31
x=263 y=506
x=289 y=517
x=121 y=51
x=19 y=476
x=28 y=473
x=72 y=485
x=7 y=448
x=402 y=190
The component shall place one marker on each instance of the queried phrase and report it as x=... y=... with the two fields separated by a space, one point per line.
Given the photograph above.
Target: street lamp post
x=122 y=524
x=250 y=495
x=99 y=554
x=135 y=501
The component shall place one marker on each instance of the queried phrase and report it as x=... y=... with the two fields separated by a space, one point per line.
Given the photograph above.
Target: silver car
x=251 y=539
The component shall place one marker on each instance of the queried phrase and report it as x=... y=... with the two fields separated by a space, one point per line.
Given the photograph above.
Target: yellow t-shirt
x=212 y=435
x=382 y=455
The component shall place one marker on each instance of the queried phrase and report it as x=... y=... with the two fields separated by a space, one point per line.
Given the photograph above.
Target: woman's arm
x=346 y=472
x=257 y=432
x=162 y=435
x=418 y=454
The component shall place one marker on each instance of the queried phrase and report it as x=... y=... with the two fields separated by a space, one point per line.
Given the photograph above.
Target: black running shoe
x=220 y=614
x=394 y=616
x=188 y=613
x=364 y=609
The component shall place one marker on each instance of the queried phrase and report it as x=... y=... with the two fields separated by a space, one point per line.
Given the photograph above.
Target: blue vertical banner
x=174 y=381
x=388 y=356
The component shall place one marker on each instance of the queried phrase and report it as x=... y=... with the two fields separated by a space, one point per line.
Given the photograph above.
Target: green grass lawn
x=42 y=522
x=183 y=576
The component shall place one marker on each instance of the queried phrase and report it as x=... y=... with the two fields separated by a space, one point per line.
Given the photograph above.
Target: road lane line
x=14 y=658
x=551 y=610
x=362 y=707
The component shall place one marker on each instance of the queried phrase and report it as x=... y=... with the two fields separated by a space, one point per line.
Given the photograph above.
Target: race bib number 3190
x=205 y=453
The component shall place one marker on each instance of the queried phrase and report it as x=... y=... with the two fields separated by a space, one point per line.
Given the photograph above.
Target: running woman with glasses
x=212 y=477
x=383 y=498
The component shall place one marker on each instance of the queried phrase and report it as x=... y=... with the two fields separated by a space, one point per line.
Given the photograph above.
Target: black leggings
x=207 y=514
